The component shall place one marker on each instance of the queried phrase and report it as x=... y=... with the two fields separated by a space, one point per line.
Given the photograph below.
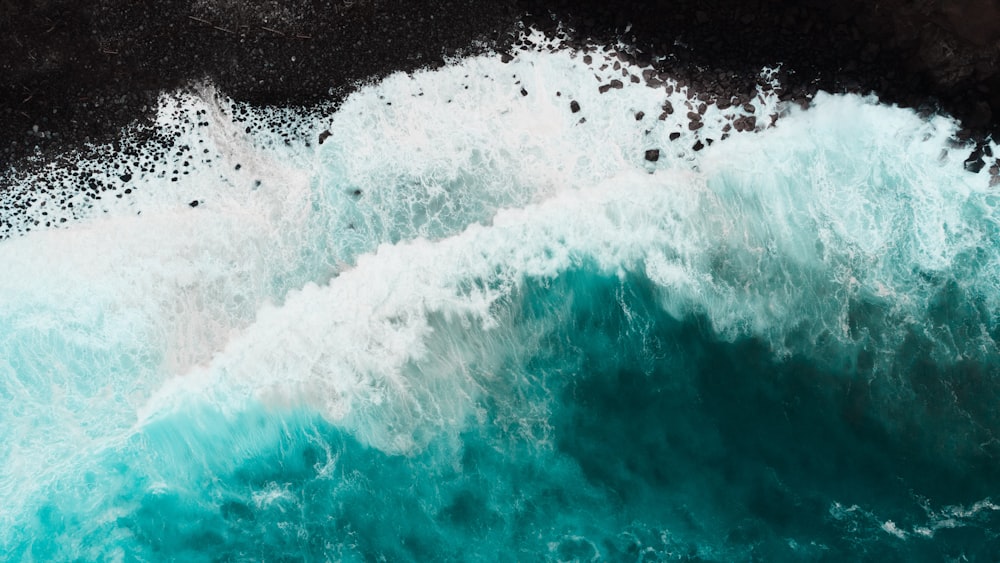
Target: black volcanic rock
x=79 y=71
x=945 y=53
x=83 y=70
x=975 y=162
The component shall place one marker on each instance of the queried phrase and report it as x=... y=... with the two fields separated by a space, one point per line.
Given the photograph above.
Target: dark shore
x=80 y=71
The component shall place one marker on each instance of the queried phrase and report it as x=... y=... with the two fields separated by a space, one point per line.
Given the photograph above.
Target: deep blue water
x=611 y=440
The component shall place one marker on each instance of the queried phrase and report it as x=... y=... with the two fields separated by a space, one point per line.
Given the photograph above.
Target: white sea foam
x=861 y=523
x=744 y=244
x=365 y=275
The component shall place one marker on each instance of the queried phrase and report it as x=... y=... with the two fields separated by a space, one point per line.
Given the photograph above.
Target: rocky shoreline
x=78 y=73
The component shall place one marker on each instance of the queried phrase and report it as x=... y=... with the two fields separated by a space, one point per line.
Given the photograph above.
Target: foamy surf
x=495 y=300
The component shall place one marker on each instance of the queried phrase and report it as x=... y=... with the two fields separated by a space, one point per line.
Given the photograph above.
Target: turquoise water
x=470 y=327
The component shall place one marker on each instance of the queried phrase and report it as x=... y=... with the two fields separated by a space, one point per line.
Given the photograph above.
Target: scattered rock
x=745 y=123
x=950 y=50
x=652 y=155
x=651 y=78
x=975 y=162
x=574 y=106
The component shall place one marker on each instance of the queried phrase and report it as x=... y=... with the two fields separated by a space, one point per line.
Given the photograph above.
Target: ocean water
x=474 y=324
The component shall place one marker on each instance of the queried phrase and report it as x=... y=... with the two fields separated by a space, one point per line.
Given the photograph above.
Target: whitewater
x=495 y=311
